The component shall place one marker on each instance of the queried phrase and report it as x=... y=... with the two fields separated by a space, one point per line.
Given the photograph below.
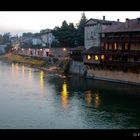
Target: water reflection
x=88 y=98
x=30 y=73
x=97 y=100
x=13 y=65
x=92 y=98
x=16 y=68
x=42 y=80
x=64 y=95
x=23 y=69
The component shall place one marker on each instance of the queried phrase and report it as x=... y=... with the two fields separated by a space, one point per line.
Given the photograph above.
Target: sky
x=17 y=22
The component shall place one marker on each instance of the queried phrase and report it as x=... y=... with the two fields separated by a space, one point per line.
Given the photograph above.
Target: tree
x=65 y=35
x=80 y=30
x=6 y=38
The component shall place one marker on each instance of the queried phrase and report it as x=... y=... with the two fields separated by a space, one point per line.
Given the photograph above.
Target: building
x=92 y=29
x=121 y=45
x=119 y=50
x=76 y=53
x=47 y=37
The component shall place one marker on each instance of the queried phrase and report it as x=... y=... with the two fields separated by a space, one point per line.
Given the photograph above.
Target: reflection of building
x=92 y=98
x=88 y=98
x=96 y=100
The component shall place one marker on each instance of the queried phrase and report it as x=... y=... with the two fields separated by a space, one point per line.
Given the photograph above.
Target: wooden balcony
x=121 y=63
x=121 y=52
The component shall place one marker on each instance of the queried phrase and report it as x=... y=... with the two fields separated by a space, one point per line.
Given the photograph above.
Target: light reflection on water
x=64 y=95
x=65 y=103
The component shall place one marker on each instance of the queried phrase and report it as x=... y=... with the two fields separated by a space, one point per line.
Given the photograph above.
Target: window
x=115 y=46
x=96 y=57
x=102 y=57
x=106 y=46
x=110 y=46
x=88 y=57
x=126 y=47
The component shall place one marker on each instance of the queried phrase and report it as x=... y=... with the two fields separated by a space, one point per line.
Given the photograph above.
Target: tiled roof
x=79 y=48
x=94 y=21
x=92 y=50
x=133 y=25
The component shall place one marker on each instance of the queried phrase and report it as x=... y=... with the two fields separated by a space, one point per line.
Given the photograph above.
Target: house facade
x=119 y=50
x=121 y=45
x=92 y=29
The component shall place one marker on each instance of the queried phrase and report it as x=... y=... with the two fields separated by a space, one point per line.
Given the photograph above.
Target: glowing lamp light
x=64 y=49
x=96 y=57
x=88 y=57
x=40 y=49
x=102 y=57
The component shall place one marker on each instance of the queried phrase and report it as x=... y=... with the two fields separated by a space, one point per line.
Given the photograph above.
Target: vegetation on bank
x=22 y=59
x=49 y=65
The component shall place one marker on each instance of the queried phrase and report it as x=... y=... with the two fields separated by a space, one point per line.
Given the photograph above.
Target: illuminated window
x=115 y=46
x=106 y=46
x=88 y=57
x=96 y=57
x=102 y=57
x=126 y=46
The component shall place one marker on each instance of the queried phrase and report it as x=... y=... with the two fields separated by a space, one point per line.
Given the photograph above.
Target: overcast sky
x=19 y=22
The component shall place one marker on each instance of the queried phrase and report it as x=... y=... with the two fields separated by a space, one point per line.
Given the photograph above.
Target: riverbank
x=48 y=65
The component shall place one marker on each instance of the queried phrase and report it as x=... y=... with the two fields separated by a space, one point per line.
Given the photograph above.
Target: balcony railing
x=121 y=52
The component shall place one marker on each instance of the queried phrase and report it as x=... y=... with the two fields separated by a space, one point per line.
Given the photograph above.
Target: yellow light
x=96 y=57
x=88 y=57
x=102 y=57
x=97 y=100
x=64 y=95
x=22 y=71
x=115 y=46
x=16 y=69
x=30 y=73
x=88 y=97
x=64 y=49
x=42 y=80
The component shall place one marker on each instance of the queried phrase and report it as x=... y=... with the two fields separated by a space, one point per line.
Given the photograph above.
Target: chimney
x=126 y=23
x=118 y=20
x=103 y=18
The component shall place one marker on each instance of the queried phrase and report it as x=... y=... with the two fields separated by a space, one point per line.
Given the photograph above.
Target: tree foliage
x=68 y=35
x=5 y=38
x=80 y=30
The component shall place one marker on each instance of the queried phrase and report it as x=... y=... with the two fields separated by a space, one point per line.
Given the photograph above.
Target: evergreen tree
x=80 y=30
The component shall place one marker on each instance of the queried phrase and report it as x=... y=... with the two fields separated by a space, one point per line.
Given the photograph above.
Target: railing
x=121 y=63
x=121 y=52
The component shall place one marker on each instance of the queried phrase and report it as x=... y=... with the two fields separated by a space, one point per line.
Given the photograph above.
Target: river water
x=33 y=99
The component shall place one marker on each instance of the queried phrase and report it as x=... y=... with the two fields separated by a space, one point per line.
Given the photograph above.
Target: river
x=34 y=99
